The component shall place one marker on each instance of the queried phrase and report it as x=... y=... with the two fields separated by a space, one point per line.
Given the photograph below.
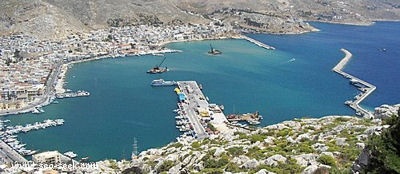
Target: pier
x=365 y=87
x=9 y=155
x=194 y=107
x=12 y=150
x=79 y=93
x=258 y=43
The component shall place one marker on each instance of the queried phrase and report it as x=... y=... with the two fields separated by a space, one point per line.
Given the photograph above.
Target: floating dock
x=365 y=87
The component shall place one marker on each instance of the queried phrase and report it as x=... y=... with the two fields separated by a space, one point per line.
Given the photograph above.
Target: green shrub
x=212 y=163
x=327 y=160
x=113 y=164
x=212 y=171
x=341 y=119
x=333 y=147
x=176 y=145
x=304 y=148
x=232 y=167
x=241 y=135
x=235 y=151
x=256 y=153
x=166 y=165
x=196 y=145
x=284 y=132
x=209 y=125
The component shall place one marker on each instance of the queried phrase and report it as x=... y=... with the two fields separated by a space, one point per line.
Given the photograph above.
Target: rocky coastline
x=305 y=145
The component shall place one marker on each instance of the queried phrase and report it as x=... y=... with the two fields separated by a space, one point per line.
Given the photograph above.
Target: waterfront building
x=49 y=157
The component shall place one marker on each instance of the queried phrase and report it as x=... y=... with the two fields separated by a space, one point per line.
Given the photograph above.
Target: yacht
x=70 y=154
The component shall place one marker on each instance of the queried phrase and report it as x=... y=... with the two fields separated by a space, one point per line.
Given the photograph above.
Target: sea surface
x=293 y=81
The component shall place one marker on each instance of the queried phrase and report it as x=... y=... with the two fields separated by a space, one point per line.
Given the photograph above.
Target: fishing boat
x=158 y=69
x=213 y=51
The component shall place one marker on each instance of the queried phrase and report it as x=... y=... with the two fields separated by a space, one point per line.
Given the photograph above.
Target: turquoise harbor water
x=245 y=78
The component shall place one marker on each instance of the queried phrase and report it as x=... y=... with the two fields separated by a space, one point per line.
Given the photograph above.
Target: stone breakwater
x=365 y=87
x=258 y=43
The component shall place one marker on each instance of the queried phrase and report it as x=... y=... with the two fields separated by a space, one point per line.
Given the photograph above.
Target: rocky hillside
x=331 y=143
x=382 y=152
x=327 y=145
x=57 y=18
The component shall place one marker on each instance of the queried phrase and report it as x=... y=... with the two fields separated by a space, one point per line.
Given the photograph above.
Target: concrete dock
x=258 y=43
x=9 y=155
x=366 y=90
x=196 y=108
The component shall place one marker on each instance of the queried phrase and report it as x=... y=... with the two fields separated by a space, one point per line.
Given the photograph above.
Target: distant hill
x=57 y=18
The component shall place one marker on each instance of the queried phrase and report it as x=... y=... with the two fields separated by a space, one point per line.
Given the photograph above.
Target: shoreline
x=59 y=80
x=366 y=89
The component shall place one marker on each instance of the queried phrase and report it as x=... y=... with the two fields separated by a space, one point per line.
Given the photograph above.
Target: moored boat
x=162 y=82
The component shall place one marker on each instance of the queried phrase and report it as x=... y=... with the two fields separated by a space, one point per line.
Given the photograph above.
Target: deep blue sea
x=245 y=78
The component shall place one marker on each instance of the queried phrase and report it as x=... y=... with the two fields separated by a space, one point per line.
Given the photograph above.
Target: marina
x=14 y=150
x=79 y=93
x=363 y=86
x=189 y=65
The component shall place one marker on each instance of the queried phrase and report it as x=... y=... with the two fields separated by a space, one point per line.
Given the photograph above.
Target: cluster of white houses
x=26 y=63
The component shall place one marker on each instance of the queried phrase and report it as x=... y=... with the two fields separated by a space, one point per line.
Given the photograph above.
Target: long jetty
x=365 y=87
x=194 y=104
x=257 y=42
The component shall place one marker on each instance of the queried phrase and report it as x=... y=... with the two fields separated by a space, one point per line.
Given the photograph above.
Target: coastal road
x=7 y=154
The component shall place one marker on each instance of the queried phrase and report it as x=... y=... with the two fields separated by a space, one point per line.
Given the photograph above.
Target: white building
x=51 y=157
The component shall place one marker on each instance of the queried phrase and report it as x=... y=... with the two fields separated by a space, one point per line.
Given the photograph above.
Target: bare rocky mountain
x=57 y=18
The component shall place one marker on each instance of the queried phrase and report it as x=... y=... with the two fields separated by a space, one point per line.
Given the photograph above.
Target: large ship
x=162 y=82
x=158 y=68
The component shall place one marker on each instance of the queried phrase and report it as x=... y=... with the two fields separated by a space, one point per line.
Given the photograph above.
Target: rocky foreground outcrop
x=298 y=146
x=386 y=111
x=309 y=145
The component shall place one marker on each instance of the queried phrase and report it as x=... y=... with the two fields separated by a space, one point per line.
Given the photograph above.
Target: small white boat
x=70 y=154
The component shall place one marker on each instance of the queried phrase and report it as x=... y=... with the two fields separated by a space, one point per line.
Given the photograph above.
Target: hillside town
x=31 y=67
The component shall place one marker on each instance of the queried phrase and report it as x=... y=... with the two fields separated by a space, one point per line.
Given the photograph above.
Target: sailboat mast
x=162 y=61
